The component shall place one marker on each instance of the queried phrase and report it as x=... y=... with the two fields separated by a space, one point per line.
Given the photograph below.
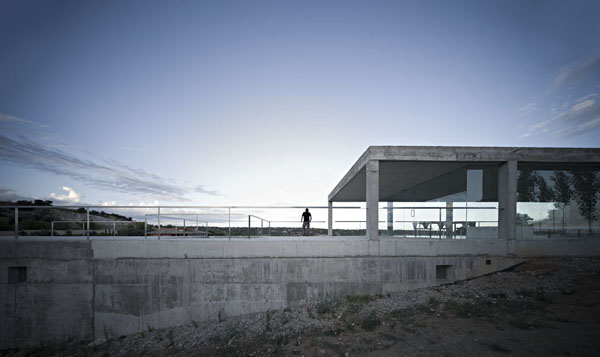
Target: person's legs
x=307 y=228
x=304 y=230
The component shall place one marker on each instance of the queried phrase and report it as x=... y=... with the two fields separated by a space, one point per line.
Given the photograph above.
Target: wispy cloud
x=102 y=174
x=577 y=70
x=571 y=107
x=5 y=118
x=576 y=119
x=528 y=109
x=70 y=197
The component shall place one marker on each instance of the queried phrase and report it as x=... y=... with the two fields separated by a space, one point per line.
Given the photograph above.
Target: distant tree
x=523 y=219
x=587 y=185
x=42 y=203
x=563 y=191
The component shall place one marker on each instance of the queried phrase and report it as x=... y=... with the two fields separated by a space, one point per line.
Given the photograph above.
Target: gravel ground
x=362 y=324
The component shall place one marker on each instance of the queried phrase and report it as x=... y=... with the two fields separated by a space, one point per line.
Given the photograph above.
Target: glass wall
x=460 y=203
x=481 y=205
x=554 y=203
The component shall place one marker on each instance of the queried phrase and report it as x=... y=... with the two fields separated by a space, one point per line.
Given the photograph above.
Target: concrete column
x=507 y=200
x=330 y=218
x=372 y=169
x=449 y=220
x=390 y=218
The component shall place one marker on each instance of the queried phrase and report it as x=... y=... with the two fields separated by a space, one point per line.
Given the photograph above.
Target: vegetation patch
x=333 y=332
x=371 y=322
x=326 y=306
x=359 y=299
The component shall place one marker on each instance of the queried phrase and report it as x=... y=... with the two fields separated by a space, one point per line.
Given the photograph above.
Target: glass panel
x=481 y=216
x=557 y=203
x=449 y=202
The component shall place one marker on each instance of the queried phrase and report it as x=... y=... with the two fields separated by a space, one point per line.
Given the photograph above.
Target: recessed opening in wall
x=442 y=272
x=17 y=275
x=488 y=262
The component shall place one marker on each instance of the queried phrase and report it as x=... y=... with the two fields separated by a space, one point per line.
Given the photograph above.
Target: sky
x=271 y=102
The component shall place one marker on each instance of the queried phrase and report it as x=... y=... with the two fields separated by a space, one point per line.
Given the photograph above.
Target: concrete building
x=491 y=208
x=461 y=178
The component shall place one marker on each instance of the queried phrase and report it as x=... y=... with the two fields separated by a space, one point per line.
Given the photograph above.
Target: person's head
x=307 y=210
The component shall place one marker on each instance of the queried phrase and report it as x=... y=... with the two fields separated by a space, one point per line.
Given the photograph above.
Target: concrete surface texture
x=97 y=289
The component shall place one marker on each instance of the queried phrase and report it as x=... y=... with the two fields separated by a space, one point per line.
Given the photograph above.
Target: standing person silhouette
x=306 y=218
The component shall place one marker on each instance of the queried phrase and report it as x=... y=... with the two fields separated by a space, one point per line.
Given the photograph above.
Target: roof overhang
x=401 y=168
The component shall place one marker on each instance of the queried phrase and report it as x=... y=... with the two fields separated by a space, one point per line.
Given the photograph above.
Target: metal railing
x=262 y=221
x=83 y=224
x=227 y=213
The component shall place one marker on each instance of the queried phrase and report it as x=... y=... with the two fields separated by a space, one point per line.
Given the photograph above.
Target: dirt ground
x=543 y=307
x=564 y=323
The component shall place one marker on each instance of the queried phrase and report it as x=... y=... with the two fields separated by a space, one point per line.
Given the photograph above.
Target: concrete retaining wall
x=83 y=290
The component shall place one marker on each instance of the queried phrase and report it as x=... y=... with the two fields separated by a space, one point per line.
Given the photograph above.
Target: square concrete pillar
x=390 y=218
x=507 y=200
x=449 y=220
x=330 y=218
x=372 y=169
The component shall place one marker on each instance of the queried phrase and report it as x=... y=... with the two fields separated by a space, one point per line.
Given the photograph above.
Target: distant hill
x=39 y=220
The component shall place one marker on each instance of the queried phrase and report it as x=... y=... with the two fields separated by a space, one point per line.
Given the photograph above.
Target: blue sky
x=271 y=102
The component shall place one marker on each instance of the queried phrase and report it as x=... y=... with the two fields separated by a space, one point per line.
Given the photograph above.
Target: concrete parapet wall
x=558 y=247
x=56 y=301
x=286 y=247
x=83 y=290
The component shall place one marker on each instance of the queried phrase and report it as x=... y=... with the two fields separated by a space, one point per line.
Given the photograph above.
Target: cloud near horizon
x=107 y=175
x=8 y=194
x=71 y=196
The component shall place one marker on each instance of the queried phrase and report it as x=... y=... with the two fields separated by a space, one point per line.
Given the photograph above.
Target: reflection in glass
x=557 y=203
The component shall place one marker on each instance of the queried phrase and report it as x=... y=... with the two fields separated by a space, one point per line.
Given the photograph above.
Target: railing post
x=145 y=226
x=249 y=226
x=52 y=229
x=16 y=222
x=229 y=220
x=114 y=228
x=184 y=227
x=158 y=223
x=269 y=228
x=88 y=222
